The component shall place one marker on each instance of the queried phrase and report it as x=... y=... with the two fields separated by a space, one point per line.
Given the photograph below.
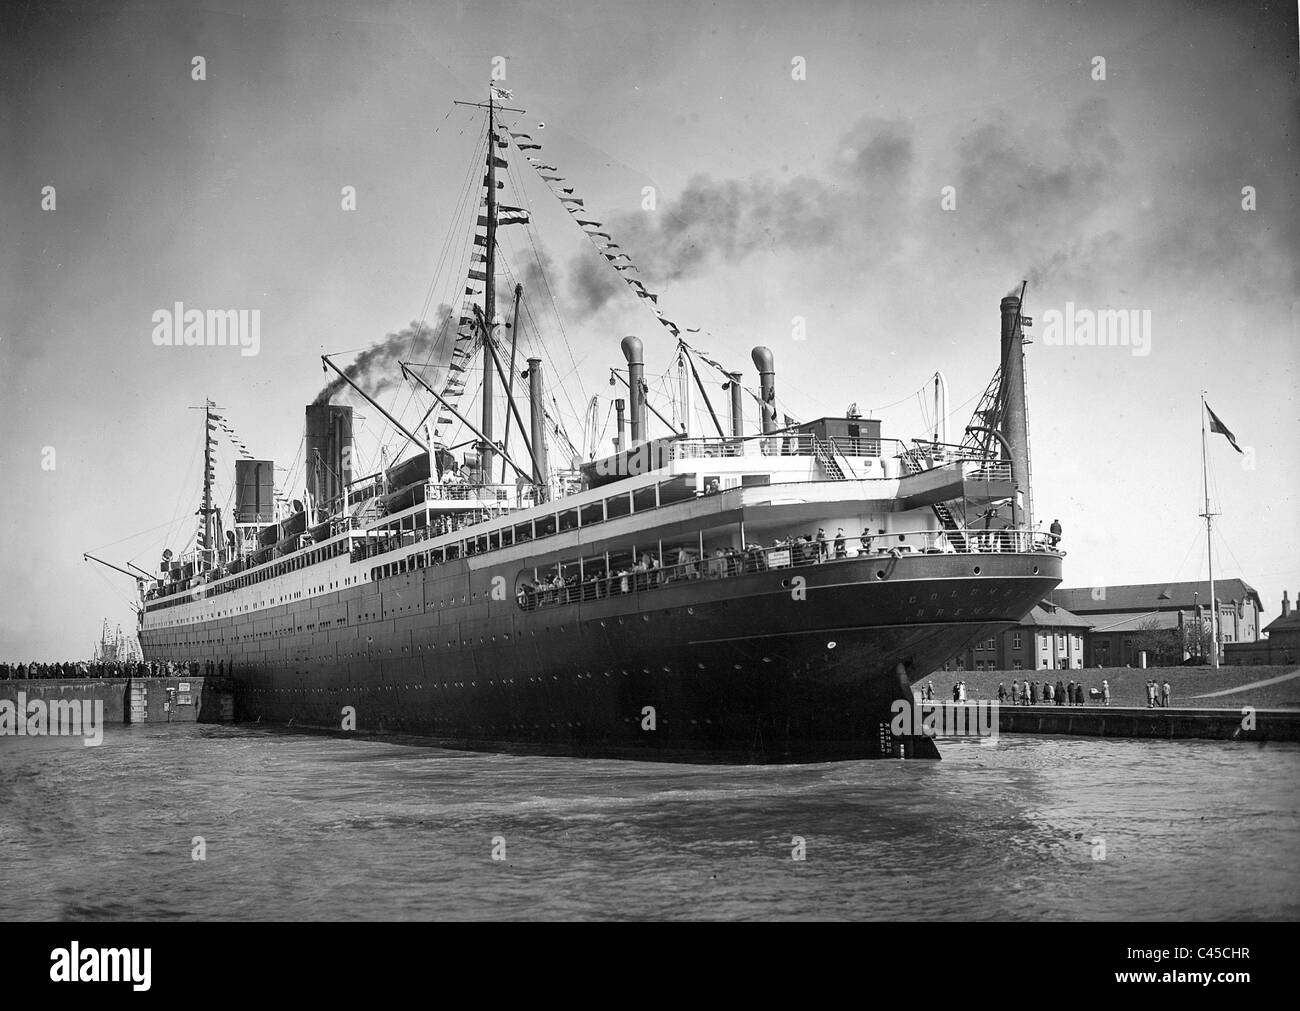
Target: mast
x=1209 y=545
x=489 y=292
x=207 y=483
x=510 y=381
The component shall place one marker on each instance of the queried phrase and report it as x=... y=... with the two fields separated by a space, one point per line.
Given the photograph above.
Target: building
x=1169 y=622
x=1047 y=637
x=1280 y=645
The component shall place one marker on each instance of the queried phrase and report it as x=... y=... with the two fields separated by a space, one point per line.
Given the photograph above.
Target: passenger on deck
x=841 y=550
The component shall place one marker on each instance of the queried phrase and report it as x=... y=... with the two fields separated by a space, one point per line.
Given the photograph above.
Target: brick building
x=1281 y=644
x=1049 y=636
x=1168 y=621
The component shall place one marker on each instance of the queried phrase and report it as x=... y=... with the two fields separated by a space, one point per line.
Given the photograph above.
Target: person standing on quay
x=1079 y=697
x=1060 y=692
x=1105 y=692
x=1164 y=694
x=1033 y=692
x=1002 y=693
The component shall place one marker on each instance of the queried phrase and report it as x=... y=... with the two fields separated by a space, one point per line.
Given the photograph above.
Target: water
x=315 y=827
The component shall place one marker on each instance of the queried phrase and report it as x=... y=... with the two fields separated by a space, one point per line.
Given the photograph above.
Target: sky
x=801 y=158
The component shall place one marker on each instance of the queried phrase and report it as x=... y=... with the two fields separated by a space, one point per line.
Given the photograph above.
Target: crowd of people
x=650 y=572
x=1033 y=693
x=1062 y=693
x=77 y=669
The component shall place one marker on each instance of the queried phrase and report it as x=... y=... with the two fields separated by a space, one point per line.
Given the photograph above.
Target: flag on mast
x=1218 y=426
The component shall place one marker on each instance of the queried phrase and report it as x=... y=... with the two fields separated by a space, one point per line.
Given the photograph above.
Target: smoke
x=732 y=219
x=592 y=283
x=536 y=272
x=376 y=369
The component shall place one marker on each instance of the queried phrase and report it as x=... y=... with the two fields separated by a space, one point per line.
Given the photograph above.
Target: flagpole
x=1209 y=545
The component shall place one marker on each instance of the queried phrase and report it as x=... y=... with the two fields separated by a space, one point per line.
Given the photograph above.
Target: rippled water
x=315 y=827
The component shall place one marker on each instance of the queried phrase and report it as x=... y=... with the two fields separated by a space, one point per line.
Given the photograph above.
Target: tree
x=1163 y=646
x=1195 y=638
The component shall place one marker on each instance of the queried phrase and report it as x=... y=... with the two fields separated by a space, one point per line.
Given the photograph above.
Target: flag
x=511 y=215
x=501 y=94
x=1218 y=426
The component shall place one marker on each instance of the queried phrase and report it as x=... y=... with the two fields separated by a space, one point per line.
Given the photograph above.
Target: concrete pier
x=1241 y=724
x=173 y=699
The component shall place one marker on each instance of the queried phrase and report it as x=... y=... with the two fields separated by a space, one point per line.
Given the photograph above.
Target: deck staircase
x=826 y=458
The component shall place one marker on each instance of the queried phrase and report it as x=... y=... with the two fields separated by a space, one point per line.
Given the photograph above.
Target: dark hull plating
x=747 y=668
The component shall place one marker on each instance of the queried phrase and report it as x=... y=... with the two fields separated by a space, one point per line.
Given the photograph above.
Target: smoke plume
x=376 y=369
x=732 y=219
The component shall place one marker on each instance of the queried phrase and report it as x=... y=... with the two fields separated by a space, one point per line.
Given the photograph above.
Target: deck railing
x=649 y=574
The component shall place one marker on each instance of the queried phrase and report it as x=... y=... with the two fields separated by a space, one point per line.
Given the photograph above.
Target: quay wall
x=173 y=699
x=1243 y=724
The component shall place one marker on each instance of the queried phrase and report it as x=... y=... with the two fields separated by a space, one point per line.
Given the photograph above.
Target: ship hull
x=777 y=666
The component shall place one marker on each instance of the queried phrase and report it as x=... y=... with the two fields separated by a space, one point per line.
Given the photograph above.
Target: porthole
x=976 y=570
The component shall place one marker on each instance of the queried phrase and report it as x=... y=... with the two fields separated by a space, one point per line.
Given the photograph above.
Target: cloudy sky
x=777 y=198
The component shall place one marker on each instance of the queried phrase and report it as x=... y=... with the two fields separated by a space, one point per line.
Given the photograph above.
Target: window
x=1015 y=665
x=1016 y=642
x=990 y=644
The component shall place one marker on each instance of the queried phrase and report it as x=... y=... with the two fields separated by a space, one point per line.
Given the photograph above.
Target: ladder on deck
x=950 y=526
x=827 y=460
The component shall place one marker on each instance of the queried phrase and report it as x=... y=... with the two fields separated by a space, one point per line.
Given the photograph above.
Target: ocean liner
x=723 y=594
